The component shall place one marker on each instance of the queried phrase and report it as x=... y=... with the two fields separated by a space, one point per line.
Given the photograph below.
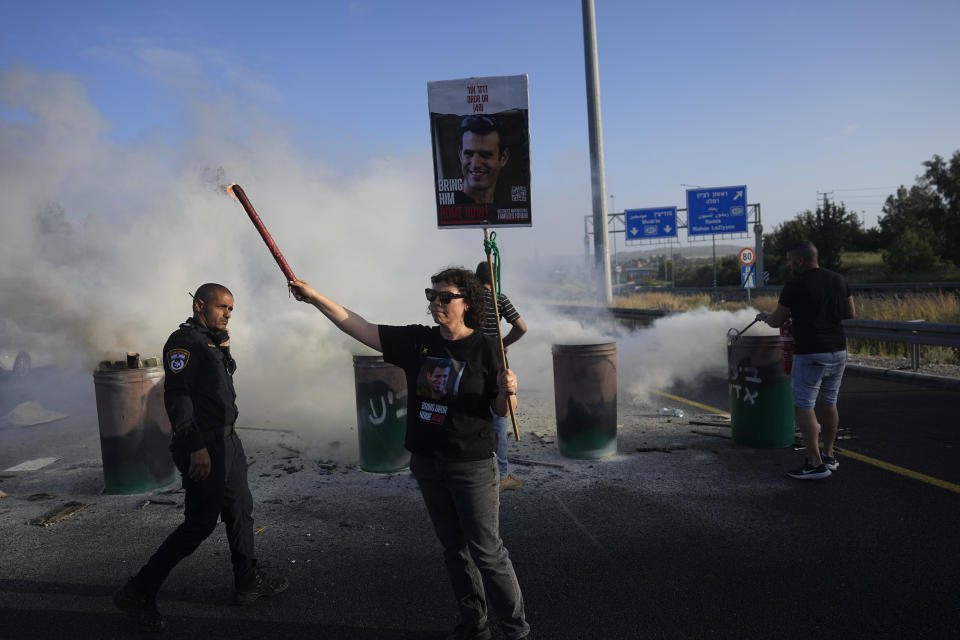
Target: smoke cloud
x=103 y=241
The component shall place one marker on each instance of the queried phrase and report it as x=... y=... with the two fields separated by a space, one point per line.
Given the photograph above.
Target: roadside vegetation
x=899 y=307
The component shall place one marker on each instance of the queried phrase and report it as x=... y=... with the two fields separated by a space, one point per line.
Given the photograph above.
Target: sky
x=844 y=98
x=121 y=121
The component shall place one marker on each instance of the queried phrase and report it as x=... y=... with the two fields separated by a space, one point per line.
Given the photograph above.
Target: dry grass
x=931 y=307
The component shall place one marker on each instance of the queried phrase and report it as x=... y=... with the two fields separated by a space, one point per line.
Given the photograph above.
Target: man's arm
x=851 y=310
x=517 y=329
x=180 y=373
x=506 y=392
x=777 y=318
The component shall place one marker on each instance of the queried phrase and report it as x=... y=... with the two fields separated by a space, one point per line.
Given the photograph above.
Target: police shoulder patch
x=177 y=359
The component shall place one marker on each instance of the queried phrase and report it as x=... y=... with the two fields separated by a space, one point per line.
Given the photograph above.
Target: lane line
x=887 y=466
x=692 y=403
x=916 y=475
x=32 y=465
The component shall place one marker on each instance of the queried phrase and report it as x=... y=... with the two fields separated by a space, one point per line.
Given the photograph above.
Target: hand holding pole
x=496 y=311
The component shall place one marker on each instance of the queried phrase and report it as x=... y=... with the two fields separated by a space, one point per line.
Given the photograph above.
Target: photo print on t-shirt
x=437 y=385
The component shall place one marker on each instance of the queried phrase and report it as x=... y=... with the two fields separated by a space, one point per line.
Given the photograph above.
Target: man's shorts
x=816 y=378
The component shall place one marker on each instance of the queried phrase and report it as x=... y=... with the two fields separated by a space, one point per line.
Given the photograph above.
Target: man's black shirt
x=198 y=385
x=817 y=300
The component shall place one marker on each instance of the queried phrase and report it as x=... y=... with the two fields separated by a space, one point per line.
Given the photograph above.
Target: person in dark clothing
x=452 y=441
x=489 y=327
x=817 y=300
x=200 y=402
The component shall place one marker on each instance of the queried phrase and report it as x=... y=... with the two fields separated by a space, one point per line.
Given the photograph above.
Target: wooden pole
x=496 y=311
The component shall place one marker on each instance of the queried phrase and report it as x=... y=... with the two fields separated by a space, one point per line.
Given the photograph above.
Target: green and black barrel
x=134 y=428
x=761 y=400
x=381 y=414
x=585 y=392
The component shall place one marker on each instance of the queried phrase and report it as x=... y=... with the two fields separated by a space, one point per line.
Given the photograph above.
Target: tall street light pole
x=601 y=248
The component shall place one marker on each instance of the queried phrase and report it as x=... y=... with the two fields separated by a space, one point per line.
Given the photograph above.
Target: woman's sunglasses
x=445 y=296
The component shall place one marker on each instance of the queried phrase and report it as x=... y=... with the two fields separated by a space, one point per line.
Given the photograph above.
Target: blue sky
x=790 y=99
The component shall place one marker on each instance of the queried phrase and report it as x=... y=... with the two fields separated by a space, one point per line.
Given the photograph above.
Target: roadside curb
x=940 y=382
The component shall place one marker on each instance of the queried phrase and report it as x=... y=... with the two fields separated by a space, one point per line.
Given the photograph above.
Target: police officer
x=200 y=401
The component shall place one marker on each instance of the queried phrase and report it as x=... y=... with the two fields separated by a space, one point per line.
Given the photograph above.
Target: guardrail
x=733 y=292
x=914 y=332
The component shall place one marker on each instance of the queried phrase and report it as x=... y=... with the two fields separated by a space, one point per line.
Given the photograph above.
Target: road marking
x=692 y=403
x=33 y=465
x=916 y=475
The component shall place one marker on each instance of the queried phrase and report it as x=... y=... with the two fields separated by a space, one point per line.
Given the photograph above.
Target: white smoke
x=102 y=242
x=679 y=348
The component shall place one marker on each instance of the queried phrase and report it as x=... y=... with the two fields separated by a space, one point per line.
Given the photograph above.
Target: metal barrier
x=914 y=332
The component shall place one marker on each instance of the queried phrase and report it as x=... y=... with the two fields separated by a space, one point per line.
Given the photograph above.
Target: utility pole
x=597 y=172
x=613 y=213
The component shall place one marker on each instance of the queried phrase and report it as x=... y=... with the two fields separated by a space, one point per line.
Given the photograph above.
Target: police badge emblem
x=177 y=359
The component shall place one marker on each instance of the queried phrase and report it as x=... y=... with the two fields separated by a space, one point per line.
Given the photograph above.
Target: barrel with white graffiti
x=585 y=393
x=761 y=400
x=381 y=414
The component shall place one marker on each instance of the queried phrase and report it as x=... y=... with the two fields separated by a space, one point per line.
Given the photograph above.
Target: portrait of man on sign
x=481 y=151
x=482 y=157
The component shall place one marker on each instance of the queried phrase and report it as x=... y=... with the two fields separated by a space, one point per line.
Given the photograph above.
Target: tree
x=911 y=252
x=930 y=209
x=913 y=210
x=834 y=229
x=831 y=228
x=945 y=179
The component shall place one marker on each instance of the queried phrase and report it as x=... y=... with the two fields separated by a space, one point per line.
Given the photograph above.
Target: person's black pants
x=223 y=494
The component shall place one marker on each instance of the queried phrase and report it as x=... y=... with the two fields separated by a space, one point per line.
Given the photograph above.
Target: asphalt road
x=683 y=534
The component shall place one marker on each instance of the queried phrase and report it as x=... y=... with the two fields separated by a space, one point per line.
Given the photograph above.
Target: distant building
x=638 y=274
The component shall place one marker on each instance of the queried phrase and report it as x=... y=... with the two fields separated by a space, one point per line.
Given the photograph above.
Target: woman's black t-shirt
x=451 y=386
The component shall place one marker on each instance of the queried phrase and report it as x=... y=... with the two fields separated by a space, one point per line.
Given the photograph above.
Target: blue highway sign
x=717 y=210
x=748 y=278
x=643 y=224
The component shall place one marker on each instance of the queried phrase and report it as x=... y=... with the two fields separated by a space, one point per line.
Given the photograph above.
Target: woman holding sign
x=451 y=438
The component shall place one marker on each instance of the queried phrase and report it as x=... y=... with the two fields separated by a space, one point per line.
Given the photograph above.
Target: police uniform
x=201 y=404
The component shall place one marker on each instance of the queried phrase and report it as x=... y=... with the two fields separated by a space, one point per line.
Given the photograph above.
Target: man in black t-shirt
x=817 y=300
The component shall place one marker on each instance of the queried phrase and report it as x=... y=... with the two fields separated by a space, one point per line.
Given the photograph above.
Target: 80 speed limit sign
x=747 y=256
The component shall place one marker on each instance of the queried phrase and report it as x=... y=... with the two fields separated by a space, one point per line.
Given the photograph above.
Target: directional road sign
x=643 y=224
x=716 y=211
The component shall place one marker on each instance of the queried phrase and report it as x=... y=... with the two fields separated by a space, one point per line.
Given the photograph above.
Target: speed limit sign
x=747 y=256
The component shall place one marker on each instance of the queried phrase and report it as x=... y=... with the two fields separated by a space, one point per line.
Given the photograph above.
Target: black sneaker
x=470 y=632
x=140 y=606
x=809 y=472
x=830 y=462
x=255 y=584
